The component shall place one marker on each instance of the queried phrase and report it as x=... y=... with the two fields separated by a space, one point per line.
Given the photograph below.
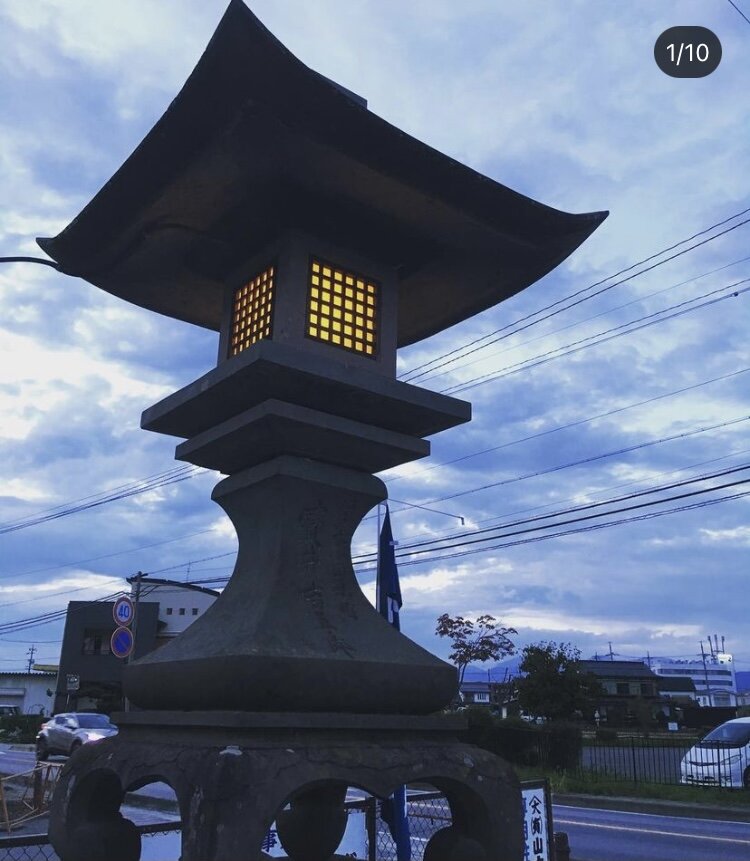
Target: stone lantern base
x=234 y=773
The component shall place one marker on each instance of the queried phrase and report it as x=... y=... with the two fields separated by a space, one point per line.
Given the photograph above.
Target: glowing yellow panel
x=342 y=308
x=252 y=311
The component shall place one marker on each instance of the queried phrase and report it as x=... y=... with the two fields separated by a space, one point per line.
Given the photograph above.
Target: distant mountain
x=497 y=673
x=743 y=680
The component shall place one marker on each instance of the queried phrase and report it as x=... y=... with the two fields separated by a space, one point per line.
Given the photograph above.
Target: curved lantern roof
x=257 y=143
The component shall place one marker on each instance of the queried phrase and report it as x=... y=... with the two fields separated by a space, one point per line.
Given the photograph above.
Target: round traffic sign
x=121 y=643
x=123 y=611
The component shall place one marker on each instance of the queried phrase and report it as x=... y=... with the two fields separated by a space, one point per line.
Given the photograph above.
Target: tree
x=475 y=642
x=553 y=685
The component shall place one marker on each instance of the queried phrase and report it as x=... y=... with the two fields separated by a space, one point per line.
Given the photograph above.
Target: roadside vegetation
x=20 y=729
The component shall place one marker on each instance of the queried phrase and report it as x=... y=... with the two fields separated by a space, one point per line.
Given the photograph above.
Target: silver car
x=722 y=758
x=65 y=733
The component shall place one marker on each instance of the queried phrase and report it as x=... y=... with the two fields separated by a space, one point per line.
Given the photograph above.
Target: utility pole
x=138 y=579
x=705 y=673
x=31 y=653
x=611 y=653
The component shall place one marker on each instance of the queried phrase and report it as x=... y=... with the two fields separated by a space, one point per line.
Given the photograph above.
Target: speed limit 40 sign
x=123 y=611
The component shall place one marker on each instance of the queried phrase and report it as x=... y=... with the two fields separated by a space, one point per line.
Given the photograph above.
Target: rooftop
x=255 y=144
x=620 y=669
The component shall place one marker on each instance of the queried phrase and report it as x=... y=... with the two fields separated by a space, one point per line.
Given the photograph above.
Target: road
x=595 y=834
x=609 y=835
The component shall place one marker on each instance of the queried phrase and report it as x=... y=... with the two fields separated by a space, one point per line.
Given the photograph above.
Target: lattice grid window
x=342 y=308
x=252 y=311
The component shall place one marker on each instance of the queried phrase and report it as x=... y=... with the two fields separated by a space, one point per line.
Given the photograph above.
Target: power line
x=604 y=337
x=589 y=493
x=739 y=10
x=178 y=476
x=591 y=459
x=105 y=555
x=587 y=528
x=577 y=423
x=575 y=323
x=57 y=615
x=40 y=260
x=406 y=548
x=411 y=375
x=410 y=553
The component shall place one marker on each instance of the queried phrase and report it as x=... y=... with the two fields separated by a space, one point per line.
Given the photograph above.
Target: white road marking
x=578 y=807
x=656 y=831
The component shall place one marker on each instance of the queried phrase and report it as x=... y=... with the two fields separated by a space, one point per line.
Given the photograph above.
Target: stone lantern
x=271 y=205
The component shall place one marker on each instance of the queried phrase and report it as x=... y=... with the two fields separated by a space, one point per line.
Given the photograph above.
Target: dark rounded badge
x=687 y=52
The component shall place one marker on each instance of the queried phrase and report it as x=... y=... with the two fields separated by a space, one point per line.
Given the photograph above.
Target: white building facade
x=180 y=604
x=31 y=693
x=713 y=676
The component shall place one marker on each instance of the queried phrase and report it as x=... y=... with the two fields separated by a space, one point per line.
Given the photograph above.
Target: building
x=179 y=604
x=90 y=676
x=630 y=691
x=31 y=693
x=475 y=694
x=713 y=676
x=679 y=689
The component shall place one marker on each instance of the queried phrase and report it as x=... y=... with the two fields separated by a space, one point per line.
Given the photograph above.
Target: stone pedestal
x=235 y=772
x=292 y=631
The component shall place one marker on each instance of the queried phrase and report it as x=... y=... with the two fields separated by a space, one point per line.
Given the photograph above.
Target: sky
x=642 y=384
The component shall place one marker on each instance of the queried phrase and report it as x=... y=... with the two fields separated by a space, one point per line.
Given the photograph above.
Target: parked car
x=722 y=758
x=65 y=733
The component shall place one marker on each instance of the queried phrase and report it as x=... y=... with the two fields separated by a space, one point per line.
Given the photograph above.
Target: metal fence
x=38 y=848
x=637 y=759
x=681 y=760
x=428 y=812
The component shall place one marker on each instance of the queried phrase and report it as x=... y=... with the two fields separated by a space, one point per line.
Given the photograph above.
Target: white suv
x=65 y=733
x=722 y=758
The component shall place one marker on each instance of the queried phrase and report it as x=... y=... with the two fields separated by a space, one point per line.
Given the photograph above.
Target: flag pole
x=377 y=567
x=393 y=810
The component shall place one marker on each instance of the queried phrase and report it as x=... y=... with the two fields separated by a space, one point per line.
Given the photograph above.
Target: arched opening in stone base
x=152 y=804
x=94 y=827
x=329 y=821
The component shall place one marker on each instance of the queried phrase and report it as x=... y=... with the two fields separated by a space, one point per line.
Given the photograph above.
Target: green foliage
x=553 y=685
x=20 y=729
x=475 y=642
x=555 y=745
x=564 y=744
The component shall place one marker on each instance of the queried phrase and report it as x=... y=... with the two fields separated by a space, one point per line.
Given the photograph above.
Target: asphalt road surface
x=610 y=835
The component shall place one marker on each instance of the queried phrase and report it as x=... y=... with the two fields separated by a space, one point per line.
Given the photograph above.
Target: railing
x=666 y=760
x=30 y=794
x=38 y=848
x=428 y=813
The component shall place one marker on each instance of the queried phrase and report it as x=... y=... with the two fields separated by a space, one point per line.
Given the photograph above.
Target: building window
x=182 y=611
x=646 y=690
x=623 y=688
x=96 y=641
x=343 y=309
x=195 y=611
x=252 y=312
x=169 y=611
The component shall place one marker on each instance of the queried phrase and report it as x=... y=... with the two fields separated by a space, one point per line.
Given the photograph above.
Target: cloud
x=563 y=103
